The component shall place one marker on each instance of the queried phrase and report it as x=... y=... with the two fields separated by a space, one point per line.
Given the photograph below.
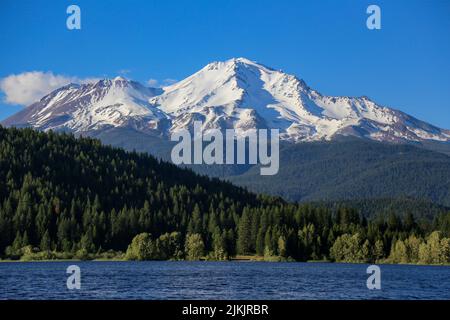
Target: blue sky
x=405 y=65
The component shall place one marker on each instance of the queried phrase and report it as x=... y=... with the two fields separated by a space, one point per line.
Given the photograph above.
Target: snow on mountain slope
x=237 y=93
x=86 y=107
x=242 y=94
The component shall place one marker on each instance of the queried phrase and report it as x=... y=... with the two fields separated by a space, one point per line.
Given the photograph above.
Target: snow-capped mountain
x=242 y=94
x=93 y=106
x=237 y=93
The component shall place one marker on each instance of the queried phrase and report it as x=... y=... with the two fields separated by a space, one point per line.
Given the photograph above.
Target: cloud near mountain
x=155 y=83
x=28 y=87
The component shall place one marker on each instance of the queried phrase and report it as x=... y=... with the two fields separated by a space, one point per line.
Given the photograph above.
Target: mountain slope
x=343 y=169
x=242 y=94
x=354 y=169
x=237 y=93
x=93 y=106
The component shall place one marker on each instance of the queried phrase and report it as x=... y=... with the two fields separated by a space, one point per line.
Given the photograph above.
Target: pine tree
x=244 y=240
x=378 y=250
x=45 y=244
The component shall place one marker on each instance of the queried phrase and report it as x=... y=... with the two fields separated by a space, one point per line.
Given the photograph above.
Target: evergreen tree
x=244 y=240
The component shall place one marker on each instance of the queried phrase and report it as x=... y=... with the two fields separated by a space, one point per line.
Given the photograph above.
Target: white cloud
x=152 y=83
x=156 y=84
x=168 y=82
x=28 y=87
x=124 y=71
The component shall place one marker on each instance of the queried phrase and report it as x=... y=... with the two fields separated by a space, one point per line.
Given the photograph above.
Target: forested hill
x=66 y=187
x=62 y=196
x=354 y=169
x=84 y=168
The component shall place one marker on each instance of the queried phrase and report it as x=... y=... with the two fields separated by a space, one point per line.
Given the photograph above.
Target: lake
x=220 y=280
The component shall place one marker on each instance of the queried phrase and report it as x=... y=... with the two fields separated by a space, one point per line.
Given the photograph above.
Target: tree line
x=68 y=197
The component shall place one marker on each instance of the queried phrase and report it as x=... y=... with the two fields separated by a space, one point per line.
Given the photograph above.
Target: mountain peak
x=119 y=78
x=242 y=60
x=232 y=63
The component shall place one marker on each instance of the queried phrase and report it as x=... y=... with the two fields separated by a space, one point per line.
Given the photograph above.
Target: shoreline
x=236 y=259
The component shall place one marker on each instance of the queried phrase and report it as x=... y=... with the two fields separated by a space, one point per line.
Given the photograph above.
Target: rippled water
x=220 y=280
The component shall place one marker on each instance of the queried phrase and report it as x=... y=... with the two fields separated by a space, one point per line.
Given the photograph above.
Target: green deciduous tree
x=194 y=246
x=141 y=248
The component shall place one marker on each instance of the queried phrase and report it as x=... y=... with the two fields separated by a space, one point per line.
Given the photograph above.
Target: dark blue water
x=220 y=280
